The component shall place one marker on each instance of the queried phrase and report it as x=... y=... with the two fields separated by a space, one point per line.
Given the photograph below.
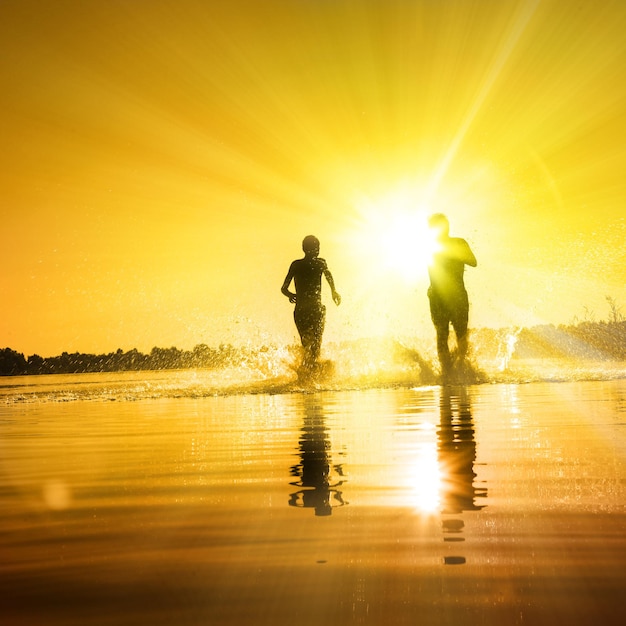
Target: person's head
x=439 y=224
x=311 y=245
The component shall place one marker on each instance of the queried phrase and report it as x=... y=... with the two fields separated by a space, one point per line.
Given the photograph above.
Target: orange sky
x=162 y=162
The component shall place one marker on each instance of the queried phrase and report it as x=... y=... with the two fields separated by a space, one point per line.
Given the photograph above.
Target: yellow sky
x=162 y=161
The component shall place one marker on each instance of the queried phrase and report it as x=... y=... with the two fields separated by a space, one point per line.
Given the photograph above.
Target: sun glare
x=395 y=231
x=407 y=244
x=425 y=477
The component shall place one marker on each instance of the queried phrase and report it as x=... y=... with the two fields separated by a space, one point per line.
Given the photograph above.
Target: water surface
x=486 y=504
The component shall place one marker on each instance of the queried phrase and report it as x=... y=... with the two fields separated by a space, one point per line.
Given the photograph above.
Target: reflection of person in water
x=457 y=453
x=449 y=304
x=309 y=313
x=314 y=469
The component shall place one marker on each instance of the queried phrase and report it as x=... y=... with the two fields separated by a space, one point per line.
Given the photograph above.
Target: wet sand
x=493 y=504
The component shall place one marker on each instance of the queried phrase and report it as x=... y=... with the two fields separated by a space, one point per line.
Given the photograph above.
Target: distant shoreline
x=603 y=341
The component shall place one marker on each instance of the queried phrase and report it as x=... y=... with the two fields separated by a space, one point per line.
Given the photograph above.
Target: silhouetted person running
x=449 y=304
x=310 y=313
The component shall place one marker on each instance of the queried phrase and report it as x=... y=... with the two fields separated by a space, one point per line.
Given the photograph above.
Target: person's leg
x=441 y=322
x=459 y=323
x=301 y=320
x=310 y=325
x=318 y=321
x=443 y=350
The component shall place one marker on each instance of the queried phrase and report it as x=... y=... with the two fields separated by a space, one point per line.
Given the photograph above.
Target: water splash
x=355 y=365
x=506 y=350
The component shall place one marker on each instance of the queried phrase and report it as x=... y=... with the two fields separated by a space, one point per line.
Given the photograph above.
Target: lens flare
x=393 y=231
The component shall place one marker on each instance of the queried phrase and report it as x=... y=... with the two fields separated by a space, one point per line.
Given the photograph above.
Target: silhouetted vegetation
x=13 y=363
x=602 y=341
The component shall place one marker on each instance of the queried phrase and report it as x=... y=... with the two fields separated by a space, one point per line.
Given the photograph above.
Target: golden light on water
x=161 y=165
x=426 y=480
x=57 y=495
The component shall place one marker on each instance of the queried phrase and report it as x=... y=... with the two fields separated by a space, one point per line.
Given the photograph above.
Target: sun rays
x=185 y=154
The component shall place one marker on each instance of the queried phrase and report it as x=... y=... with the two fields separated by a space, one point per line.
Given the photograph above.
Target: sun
x=407 y=244
x=393 y=231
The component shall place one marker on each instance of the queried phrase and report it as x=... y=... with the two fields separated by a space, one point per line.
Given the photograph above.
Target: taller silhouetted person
x=309 y=313
x=449 y=304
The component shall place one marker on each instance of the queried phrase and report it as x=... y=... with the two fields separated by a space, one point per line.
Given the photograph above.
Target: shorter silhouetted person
x=309 y=313
x=449 y=304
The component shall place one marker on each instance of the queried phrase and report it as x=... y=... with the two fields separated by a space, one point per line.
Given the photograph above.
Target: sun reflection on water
x=426 y=479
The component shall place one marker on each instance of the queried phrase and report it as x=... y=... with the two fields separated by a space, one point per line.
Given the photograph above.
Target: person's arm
x=467 y=255
x=285 y=288
x=331 y=282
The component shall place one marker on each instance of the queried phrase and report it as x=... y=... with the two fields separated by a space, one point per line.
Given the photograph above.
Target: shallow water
x=486 y=504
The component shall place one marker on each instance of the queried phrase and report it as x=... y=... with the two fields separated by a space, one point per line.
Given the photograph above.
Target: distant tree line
x=604 y=341
x=13 y=363
x=601 y=341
